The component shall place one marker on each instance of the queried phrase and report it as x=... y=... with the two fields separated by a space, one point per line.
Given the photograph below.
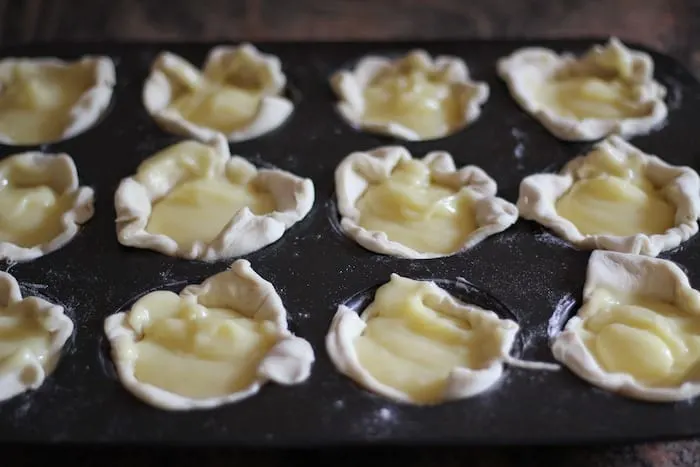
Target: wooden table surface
x=672 y=26
x=669 y=25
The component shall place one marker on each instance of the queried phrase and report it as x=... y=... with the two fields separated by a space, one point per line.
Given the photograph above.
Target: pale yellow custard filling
x=205 y=200
x=195 y=351
x=591 y=97
x=614 y=197
x=414 y=210
x=225 y=100
x=417 y=98
x=36 y=100
x=606 y=91
x=30 y=208
x=23 y=339
x=413 y=341
x=655 y=342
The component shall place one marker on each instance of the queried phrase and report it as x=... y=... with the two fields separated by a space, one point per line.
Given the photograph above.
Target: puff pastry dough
x=609 y=90
x=611 y=193
x=414 y=97
x=215 y=343
x=393 y=204
x=41 y=204
x=638 y=330
x=417 y=344
x=44 y=100
x=32 y=335
x=238 y=93
x=196 y=201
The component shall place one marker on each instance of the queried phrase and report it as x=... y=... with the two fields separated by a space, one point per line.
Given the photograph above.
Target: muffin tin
x=524 y=273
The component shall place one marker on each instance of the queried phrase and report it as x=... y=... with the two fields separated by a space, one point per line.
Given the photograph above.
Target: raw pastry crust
x=91 y=105
x=361 y=169
x=350 y=84
x=680 y=185
x=273 y=110
x=242 y=289
x=653 y=277
x=462 y=382
x=536 y=64
x=246 y=232
x=62 y=176
x=32 y=373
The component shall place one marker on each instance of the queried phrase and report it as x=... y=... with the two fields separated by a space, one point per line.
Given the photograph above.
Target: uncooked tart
x=609 y=90
x=414 y=97
x=616 y=198
x=194 y=200
x=637 y=331
x=214 y=343
x=393 y=204
x=32 y=334
x=417 y=344
x=45 y=100
x=239 y=93
x=42 y=204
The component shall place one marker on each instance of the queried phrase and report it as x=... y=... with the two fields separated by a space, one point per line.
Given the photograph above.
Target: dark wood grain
x=672 y=26
x=682 y=454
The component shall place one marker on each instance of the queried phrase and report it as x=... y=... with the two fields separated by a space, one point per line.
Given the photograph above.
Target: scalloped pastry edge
x=91 y=105
x=657 y=278
x=56 y=322
x=273 y=111
x=60 y=166
x=288 y=362
x=349 y=85
x=589 y=129
x=539 y=192
x=244 y=233
x=493 y=214
x=461 y=383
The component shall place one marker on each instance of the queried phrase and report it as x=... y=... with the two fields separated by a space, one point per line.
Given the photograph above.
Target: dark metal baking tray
x=524 y=272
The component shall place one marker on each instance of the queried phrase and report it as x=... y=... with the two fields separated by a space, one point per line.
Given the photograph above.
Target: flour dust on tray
x=45 y=100
x=393 y=204
x=609 y=90
x=416 y=343
x=638 y=330
x=41 y=204
x=239 y=93
x=32 y=335
x=616 y=198
x=194 y=200
x=212 y=344
x=414 y=97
